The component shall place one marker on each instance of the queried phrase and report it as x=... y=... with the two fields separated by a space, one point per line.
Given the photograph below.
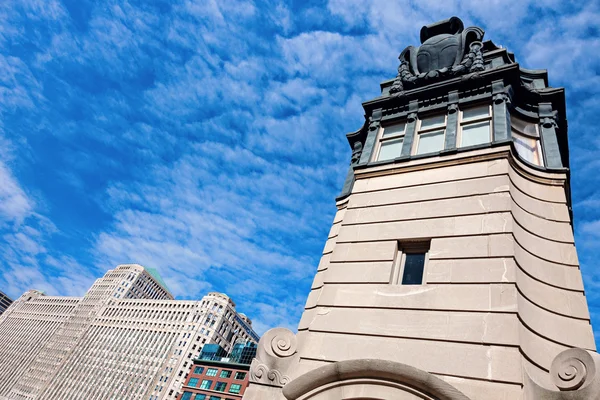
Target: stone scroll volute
x=274 y=356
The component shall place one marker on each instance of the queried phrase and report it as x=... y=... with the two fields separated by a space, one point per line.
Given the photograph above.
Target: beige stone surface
x=567 y=331
x=425 y=228
x=495 y=202
x=543 y=209
x=358 y=272
x=495 y=363
x=552 y=230
x=468 y=327
x=427 y=176
x=565 y=302
x=472 y=247
x=485 y=390
x=429 y=192
x=474 y=297
x=371 y=251
x=472 y=270
x=561 y=253
x=559 y=275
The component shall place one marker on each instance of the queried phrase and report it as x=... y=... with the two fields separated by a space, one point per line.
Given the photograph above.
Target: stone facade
x=126 y=338
x=460 y=173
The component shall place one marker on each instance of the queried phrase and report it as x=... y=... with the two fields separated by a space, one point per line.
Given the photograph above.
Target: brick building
x=217 y=376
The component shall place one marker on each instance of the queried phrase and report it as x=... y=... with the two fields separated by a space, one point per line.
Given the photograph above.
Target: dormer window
x=390 y=141
x=526 y=138
x=430 y=135
x=475 y=126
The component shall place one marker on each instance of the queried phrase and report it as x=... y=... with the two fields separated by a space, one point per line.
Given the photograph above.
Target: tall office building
x=450 y=271
x=126 y=338
x=5 y=302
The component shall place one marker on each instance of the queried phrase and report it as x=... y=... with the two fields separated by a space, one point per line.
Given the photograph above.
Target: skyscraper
x=5 y=302
x=125 y=338
x=450 y=271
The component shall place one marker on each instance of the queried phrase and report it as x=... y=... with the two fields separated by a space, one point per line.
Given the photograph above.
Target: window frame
x=210 y=373
x=399 y=263
x=237 y=386
x=219 y=384
x=382 y=140
x=235 y=376
x=474 y=121
x=424 y=131
x=527 y=136
x=210 y=382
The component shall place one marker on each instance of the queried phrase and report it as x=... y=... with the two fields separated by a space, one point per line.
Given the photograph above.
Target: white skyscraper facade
x=126 y=338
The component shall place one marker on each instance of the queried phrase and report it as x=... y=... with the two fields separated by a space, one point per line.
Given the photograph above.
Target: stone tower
x=450 y=271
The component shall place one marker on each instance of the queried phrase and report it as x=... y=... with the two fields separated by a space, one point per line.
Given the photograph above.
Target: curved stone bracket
x=274 y=356
x=379 y=372
x=574 y=373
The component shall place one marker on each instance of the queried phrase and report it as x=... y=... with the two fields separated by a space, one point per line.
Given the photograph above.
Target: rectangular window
x=193 y=382
x=198 y=370
x=200 y=396
x=206 y=384
x=240 y=375
x=214 y=398
x=211 y=372
x=431 y=133
x=225 y=373
x=235 y=388
x=390 y=141
x=410 y=262
x=475 y=126
x=220 y=386
x=187 y=396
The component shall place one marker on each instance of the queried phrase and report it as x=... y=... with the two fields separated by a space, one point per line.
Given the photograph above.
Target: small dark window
x=409 y=265
x=414 y=263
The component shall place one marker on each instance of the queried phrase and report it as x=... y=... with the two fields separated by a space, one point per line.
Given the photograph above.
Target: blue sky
x=207 y=138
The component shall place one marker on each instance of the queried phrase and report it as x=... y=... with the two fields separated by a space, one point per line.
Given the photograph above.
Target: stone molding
x=380 y=372
x=574 y=372
x=274 y=356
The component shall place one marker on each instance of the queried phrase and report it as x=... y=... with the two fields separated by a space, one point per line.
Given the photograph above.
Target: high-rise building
x=5 y=302
x=126 y=338
x=450 y=271
x=220 y=376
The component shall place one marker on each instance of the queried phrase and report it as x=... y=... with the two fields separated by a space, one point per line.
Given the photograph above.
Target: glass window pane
x=431 y=142
x=390 y=149
x=433 y=121
x=391 y=130
x=475 y=134
x=524 y=127
x=211 y=372
x=186 y=396
x=220 y=386
x=527 y=148
x=476 y=112
x=235 y=388
x=193 y=382
x=206 y=384
x=225 y=373
x=200 y=396
x=413 y=269
x=240 y=375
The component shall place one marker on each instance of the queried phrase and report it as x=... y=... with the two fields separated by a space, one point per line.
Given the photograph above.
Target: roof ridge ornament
x=447 y=50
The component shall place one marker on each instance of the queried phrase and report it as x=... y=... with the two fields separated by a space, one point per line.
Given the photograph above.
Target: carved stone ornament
x=274 y=356
x=447 y=50
x=356 y=153
x=574 y=372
